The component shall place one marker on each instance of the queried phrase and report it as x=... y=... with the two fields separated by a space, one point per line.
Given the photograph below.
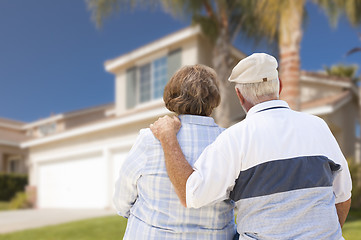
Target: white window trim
x=151 y=72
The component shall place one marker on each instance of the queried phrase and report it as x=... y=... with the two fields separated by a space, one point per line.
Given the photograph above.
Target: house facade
x=336 y=100
x=12 y=157
x=73 y=158
x=76 y=165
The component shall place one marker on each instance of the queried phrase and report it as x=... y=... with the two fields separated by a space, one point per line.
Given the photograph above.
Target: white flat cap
x=258 y=67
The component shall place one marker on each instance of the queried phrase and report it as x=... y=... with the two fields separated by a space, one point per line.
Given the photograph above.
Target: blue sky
x=52 y=55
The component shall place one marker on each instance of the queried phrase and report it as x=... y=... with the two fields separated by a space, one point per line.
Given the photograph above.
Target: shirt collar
x=196 y=119
x=265 y=105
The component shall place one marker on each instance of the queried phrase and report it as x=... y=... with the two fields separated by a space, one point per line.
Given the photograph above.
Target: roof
x=68 y=115
x=162 y=43
x=113 y=64
x=326 y=105
x=323 y=78
x=329 y=104
x=120 y=121
x=12 y=124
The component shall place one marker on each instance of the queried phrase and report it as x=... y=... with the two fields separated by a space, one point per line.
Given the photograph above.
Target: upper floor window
x=147 y=82
x=47 y=129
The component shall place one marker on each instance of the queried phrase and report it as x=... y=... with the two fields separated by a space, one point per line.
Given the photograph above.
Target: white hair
x=259 y=92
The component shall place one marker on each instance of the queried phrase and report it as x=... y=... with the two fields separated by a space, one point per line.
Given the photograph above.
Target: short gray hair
x=259 y=92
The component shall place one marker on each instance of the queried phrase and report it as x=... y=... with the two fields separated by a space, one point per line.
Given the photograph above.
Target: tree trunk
x=222 y=64
x=289 y=46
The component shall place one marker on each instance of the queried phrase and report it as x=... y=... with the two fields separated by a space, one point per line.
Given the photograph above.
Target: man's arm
x=342 y=211
x=178 y=168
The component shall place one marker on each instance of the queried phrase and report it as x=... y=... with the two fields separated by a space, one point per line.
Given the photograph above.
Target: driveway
x=16 y=220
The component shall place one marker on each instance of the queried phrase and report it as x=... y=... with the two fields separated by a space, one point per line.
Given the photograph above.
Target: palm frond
x=102 y=9
x=353 y=50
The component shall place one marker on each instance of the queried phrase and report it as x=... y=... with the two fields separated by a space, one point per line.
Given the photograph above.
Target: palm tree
x=355 y=49
x=221 y=21
x=283 y=19
x=341 y=70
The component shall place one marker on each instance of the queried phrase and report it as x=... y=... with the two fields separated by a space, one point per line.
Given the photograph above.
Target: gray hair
x=259 y=92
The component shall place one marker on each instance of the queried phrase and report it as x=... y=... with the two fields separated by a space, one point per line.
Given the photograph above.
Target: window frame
x=152 y=80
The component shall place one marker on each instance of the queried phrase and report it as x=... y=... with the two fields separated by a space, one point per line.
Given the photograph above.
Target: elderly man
x=283 y=168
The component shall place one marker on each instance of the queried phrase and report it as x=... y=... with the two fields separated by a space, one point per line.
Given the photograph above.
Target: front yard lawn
x=4 y=205
x=104 y=228
x=109 y=228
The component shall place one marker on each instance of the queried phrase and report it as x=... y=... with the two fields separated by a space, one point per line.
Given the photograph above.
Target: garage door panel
x=73 y=183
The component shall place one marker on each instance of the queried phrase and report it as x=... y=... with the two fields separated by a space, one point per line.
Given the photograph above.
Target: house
x=73 y=158
x=76 y=162
x=336 y=100
x=12 y=157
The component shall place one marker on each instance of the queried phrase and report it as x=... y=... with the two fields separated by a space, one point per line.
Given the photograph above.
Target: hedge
x=355 y=170
x=10 y=184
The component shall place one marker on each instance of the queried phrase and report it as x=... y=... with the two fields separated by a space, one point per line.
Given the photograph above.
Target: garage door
x=73 y=183
x=118 y=158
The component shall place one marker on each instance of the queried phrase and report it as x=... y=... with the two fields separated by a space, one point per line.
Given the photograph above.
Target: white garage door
x=73 y=183
x=118 y=158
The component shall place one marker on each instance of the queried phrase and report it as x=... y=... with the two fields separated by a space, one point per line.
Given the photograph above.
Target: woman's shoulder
x=147 y=136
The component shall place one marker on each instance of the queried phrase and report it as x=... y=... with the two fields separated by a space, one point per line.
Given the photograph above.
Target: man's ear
x=280 y=86
x=239 y=95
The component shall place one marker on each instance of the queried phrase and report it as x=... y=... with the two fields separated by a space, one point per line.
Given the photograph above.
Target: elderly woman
x=143 y=191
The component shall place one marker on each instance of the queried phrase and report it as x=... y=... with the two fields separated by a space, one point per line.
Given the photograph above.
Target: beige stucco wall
x=313 y=90
x=12 y=135
x=205 y=52
x=81 y=119
x=342 y=124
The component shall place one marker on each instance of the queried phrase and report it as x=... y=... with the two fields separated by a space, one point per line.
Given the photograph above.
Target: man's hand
x=165 y=127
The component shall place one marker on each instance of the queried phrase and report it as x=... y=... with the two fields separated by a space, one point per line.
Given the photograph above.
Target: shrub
x=355 y=170
x=10 y=184
x=20 y=201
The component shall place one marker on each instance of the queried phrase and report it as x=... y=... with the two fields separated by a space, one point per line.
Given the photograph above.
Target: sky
x=52 y=55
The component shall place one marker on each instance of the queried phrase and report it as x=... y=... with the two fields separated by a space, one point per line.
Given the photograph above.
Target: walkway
x=16 y=220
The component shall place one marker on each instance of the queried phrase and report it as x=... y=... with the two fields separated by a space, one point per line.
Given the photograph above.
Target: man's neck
x=247 y=105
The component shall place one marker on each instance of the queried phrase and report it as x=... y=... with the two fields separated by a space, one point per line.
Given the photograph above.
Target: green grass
x=105 y=228
x=108 y=228
x=4 y=206
x=352 y=228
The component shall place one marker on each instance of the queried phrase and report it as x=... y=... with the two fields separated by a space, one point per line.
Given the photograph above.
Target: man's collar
x=265 y=105
x=196 y=119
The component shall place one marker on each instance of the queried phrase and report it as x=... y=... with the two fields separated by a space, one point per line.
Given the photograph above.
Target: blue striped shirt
x=145 y=195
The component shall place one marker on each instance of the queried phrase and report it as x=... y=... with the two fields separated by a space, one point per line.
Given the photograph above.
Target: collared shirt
x=144 y=193
x=283 y=168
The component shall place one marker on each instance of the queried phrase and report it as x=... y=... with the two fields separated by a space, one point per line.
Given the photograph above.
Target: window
x=47 y=129
x=147 y=82
x=14 y=164
x=152 y=80
x=159 y=77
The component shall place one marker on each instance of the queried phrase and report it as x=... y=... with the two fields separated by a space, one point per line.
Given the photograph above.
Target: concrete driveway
x=16 y=220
